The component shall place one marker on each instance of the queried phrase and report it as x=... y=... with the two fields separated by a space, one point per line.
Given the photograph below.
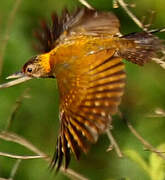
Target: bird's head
x=37 y=67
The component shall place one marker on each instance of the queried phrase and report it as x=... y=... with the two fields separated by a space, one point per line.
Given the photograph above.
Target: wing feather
x=83 y=129
x=92 y=22
x=66 y=151
x=89 y=95
x=81 y=22
x=72 y=143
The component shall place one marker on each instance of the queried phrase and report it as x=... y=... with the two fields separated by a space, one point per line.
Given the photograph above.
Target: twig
x=130 y=14
x=20 y=157
x=20 y=140
x=158 y=112
x=14 y=82
x=8 y=29
x=16 y=108
x=144 y=142
x=86 y=4
x=160 y=62
x=149 y=21
x=114 y=144
x=14 y=170
x=11 y=137
x=124 y=6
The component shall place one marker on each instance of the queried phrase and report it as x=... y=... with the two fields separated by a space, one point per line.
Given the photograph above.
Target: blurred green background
x=37 y=117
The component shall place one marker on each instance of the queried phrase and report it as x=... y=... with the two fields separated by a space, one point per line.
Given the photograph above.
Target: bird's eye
x=29 y=70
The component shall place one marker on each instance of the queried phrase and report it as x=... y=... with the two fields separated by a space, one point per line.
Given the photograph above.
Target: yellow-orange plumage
x=84 y=53
x=91 y=81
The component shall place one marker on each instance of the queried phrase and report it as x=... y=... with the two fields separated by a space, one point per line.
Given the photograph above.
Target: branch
x=124 y=6
x=86 y=4
x=158 y=112
x=14 y=82
x=20 y=157
x=144 y=142
x=16 y=107
x=14 y=169
x=8 y=29
x=159 y=61
x=130 y=14
x=11 y=137
x=113 y=144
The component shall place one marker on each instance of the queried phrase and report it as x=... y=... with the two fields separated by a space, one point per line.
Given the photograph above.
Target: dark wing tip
x=65 y=144
x=62 y=151
x=48 y=34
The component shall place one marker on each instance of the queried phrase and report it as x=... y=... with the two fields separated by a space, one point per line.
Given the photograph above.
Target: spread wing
x=92 y=22
x=81 y=22
x=90 y=92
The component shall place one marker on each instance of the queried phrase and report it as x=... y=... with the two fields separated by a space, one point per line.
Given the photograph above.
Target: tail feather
x=140 y=47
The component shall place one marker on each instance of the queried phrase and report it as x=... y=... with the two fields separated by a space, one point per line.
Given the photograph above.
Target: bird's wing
x=90 y=91
x=81 y=22
x=92 y=22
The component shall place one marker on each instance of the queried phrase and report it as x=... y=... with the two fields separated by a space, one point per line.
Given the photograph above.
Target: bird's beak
x=19 y=78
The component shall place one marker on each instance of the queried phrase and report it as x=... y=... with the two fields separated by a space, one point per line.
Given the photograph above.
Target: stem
x=8 y=29
x=14 y=170
x=86 y=4
x=11 y=137
x=144 y=142
x=20 y=157
x=130 y=14
x=114 y=143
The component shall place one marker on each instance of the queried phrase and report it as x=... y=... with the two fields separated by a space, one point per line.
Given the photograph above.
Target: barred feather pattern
x=86 y=53
x=85 y=116
x=145 y=46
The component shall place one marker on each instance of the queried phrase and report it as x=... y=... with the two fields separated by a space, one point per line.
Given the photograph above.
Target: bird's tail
x=141 y=47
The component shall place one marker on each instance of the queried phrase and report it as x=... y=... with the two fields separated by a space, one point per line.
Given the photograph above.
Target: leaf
x=157 y=165
x=134 y=156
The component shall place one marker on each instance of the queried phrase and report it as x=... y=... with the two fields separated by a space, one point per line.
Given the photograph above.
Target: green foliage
x=154 y=168
x=135 y=156
x=157 y=165
x=37 y=117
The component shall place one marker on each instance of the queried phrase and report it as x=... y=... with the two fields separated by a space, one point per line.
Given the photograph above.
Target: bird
x=84 y=52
